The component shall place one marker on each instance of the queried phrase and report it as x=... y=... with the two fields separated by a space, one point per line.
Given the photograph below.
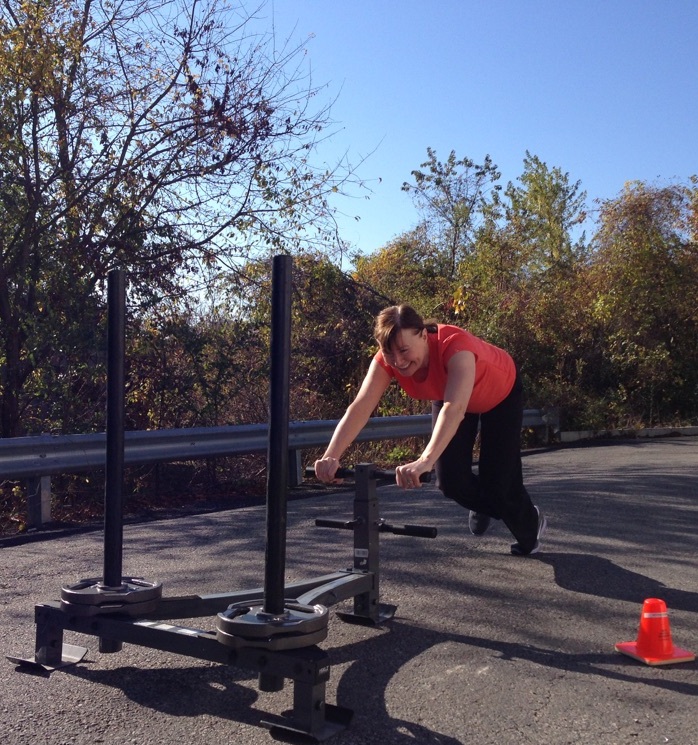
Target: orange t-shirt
x=495 y=371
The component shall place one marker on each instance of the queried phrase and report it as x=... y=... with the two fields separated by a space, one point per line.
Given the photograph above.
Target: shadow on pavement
x=190 y=691
x=219 y=691
x=214 y=691
x=404 y=642
x=595 y=575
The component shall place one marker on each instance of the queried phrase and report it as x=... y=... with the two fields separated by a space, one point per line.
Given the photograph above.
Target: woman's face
x=409 y=352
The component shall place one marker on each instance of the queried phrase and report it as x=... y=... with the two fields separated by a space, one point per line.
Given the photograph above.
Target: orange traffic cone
x=654 y=645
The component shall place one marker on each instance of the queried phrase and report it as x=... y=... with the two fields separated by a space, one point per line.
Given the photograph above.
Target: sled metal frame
x=308 y=667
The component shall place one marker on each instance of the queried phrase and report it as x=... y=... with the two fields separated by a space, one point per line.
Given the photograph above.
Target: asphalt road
x=486 y=648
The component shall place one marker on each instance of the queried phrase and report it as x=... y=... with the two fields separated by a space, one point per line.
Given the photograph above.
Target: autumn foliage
x=173 y=139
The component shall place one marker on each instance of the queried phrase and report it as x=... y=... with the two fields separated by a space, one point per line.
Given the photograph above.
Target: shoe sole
x=542 y=527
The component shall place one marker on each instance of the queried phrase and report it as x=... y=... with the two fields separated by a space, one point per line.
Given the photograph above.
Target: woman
x=470 y=382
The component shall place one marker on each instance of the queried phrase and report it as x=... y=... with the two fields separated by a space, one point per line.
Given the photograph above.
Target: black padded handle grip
x=420 y=531
x=342 y=473
x=321 y=522
x=380 y=474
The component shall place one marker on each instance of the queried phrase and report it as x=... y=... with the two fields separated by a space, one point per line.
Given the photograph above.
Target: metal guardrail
x=49 y=455
x=36 y=458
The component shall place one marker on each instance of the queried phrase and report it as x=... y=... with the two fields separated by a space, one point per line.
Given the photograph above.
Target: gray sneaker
x=542 y=525
x=478 y=522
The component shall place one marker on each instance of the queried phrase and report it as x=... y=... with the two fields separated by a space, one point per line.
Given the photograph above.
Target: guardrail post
x=551 y=417
x=295 y=468
x=38 y=501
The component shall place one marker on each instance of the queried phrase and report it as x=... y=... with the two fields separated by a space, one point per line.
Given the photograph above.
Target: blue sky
x=606 y=90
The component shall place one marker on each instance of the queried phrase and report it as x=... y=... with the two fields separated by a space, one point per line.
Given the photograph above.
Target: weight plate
x=134 y=610
x=134 y=596
x=272 y=643
x=254 y=624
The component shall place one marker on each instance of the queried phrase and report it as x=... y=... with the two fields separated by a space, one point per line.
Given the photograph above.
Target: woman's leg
x=500 y=471
x=454 y=469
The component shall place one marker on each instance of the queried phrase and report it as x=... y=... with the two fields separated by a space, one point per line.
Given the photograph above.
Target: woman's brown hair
x=391 y=321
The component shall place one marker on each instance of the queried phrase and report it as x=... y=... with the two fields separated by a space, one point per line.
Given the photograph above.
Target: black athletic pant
x=497 y=489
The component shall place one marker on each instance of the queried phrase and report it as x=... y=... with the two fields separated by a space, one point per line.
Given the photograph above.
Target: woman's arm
x=459 y=387
x=355 y=417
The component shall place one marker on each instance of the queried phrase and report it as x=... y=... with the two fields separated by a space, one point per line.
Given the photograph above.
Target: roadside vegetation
x=176 y=140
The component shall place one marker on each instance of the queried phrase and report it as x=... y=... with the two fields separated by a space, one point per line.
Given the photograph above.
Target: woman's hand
x=407 y=476
x=325 y=469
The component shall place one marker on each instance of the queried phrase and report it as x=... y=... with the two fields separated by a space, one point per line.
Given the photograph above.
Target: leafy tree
x=166 y=136
x=454 y=197
x=520 y=236
x=194 y=369
x=645 y=274
x=332 y=324
x=542 y=282
x=542 y=212
x=408 y=270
